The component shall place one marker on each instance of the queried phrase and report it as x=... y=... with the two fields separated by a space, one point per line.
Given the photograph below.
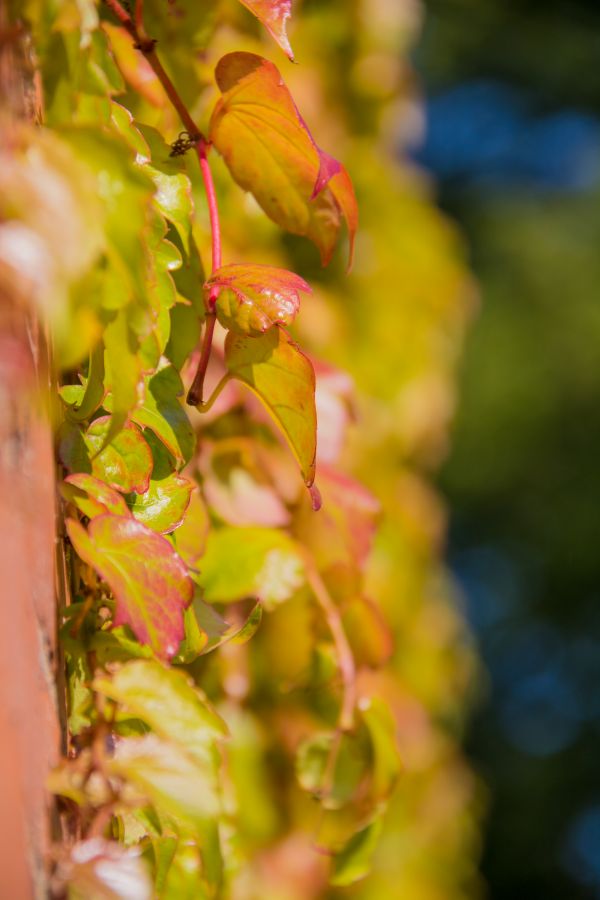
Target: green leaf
x=333 y=765
x=274 y=15
x=172 y=780
x=250 y=562
x=167 y=701
x=123 y=366
x=162 y=507
x=93 y=497
x=269 y=151
x=184 y=877
x=89 y=396
x=173 y=195
x=124 y=464
x=282 y=377
x=353 y=862
x=386 y=759
x=253 y=298
x=162 y=412
x=149 y=581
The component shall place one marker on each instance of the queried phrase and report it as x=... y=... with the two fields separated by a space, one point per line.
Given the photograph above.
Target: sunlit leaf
x=125 y=464
x=172 y=780
x=104 y=870
x=250 y=562
x=167 y=701
x=279 y=373
x=93 y=497
x=150 y=583
x=269 y=150
x=253 y=298
x=162 y=507
x=274 y=15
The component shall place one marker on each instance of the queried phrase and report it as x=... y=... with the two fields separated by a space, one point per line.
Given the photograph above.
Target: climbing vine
x=228 y=678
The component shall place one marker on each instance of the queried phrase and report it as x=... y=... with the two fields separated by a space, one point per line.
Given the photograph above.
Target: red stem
x=213 y=210
x=195 y=392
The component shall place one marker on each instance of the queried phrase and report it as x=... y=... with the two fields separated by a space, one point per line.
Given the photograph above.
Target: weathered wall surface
x=29 y=729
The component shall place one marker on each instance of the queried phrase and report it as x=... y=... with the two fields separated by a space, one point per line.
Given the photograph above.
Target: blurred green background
x=512 y=95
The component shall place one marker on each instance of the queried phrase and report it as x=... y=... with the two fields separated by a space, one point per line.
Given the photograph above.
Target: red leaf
x=150 y=583
x=274 y=15
x=253 y=298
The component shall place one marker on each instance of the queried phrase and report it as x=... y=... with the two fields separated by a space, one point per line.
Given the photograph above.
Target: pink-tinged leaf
x=104 y=870
x=274 y=15
x=93 y=497
x=124 y=464
x=134 y=66
x=253 y=298
x=275 y=368
x=149 y=581
x=269 y=151
x=343 y=531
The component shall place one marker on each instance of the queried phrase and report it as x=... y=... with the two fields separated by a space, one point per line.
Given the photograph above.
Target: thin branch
x=344 y=654
x=139 y=15
x=194 y=396
x=204 y=407
x=146 y=46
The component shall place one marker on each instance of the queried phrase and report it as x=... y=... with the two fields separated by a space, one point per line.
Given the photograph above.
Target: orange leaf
x=267 y=146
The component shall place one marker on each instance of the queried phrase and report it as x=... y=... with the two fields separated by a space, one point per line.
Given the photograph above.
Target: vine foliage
x=227 y=690
x=160 y=578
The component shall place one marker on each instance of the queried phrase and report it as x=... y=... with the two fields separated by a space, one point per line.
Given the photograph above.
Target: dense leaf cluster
x=213 y=747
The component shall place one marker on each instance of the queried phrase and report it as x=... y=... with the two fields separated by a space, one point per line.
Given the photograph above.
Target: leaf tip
x=316 y=500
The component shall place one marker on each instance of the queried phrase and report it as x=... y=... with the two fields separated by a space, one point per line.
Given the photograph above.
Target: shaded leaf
x=134 y=66
x=253 y=298
x=282 y=377
x=250 y=562
x=164 y=415
x=354 y=860
x=124 y=367
x=125 y=464
x=167 y=701
x=333 y=765
x=190 y=538
x=269 y=151
x=172 y=780
x=162 y=507
x=150 y=583
x=90 y=395
x=274 y=15
x=386 y=759
x=182 y=878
